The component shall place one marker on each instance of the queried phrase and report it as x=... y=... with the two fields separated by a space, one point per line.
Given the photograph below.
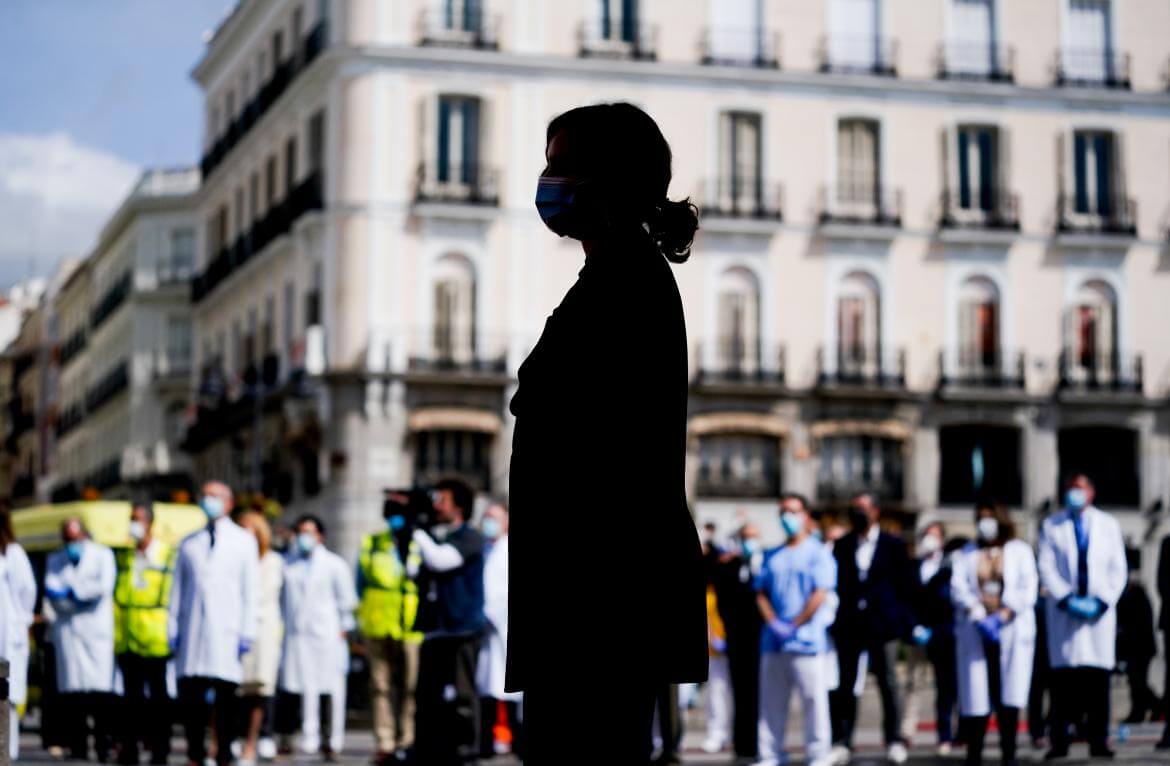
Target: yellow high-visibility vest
x=140 y=601
x=389 y=602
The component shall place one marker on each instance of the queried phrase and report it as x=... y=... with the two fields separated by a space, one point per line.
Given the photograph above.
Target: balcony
x=450 y=352
x=440 y=27
x=171 y=366
x=992 y=209
x=1114 y=216
x=69 y=419
x=1092 y=68
x=457 y=184
x=731 y=361
x=171 y=273
x=218 y=416
x=861 y=204
x=1105 y=372
x=738 y=466
x=748 y=198
x=251 y=113
x=113 y=298
x=872 y=56
x=757 y=48
x=105 y=475
x=115 y=382
x=278 y=221
x=975 y=368
x=974 y=62
x=859 y=366
x=617 y=41
x=71 y=347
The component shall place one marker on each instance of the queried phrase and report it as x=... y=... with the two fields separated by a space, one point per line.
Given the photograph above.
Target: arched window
x=859 y=326
x=453 y=329
x=738 y=323
x=978 y=326
x=1091 y=332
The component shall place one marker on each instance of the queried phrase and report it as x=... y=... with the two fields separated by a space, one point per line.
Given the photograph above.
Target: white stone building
x=933 y=259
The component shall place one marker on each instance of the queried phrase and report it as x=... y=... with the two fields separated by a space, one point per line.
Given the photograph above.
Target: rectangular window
x=739 y=466
x=239 y=211
x=978 y=148
x=854 y=29
x=316 y=131
x=270 y=183
x=858 y=168
x=971 y=50
x=740 y=160
x=619 y=20
x=1094 y=172
x=737 y=31
x=851 y=465
x=254 y=196
x=182 y=250
x=1088 y=55
x=458 y=147
x=178 y=339
x=462 y=15
x=290 y=165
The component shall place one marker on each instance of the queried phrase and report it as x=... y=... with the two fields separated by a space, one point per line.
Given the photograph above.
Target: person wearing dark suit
x=601 y=419
x=1164 y=625
x=1136 y=643
x=735 y=594
x=874 y=584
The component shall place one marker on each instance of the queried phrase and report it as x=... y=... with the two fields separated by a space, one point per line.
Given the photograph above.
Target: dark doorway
x=980 y=461
x=1108 y=455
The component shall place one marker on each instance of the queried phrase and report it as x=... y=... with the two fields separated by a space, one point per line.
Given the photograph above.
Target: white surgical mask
x=306 y=542
x=137 y=531
x=988 y=529
x=929 y=544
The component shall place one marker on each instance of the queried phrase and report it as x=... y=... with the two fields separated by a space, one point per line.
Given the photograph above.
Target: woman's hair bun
x=673 y=226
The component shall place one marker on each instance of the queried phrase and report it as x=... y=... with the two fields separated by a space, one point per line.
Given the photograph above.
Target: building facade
x=932 y=260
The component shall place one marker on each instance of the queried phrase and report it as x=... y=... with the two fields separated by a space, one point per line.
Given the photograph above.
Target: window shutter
x=986 y=168
x=630 y=20
x=1102 y=154
x=444 y=139
x=1080 y=180
x=944 y=139
x=964 y=168
x=1003 y=184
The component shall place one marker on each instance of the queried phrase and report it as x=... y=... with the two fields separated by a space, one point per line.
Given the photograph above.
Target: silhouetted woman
x=607 y=594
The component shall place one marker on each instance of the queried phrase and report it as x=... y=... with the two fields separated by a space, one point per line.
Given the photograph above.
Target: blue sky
x=91 y=91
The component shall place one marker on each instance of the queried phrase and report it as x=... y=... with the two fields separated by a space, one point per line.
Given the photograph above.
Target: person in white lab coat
x=18 y=596
x=317 y=604
x=994 y=586
x=79 y=586
x=213 y=621
x=1083 y=569
x=493 y=653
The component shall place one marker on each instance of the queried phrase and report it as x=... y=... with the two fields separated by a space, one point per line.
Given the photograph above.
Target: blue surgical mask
x=73 y=550
x=750 y=546
x=492 y=529
x=559 y=206
x=792 y=523
x=396 y=522
x=1076 y=498
x=213 y=506
x=306 y=542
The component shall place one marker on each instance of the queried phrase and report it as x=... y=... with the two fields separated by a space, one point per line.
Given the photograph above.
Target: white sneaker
x=897 y=753
x=945 y=748
x=824 y=760
x=266 y=748
x=712 y=746
x=839 y=755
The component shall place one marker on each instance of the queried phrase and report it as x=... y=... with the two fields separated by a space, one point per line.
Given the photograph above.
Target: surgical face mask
x=73 y=550
x=492 y=529
x=929 y=545
x=750 y=546
x=396 y=522
x=306 y=542
x=137 y=531
x=793 y=523
x=558 y=200
x=1076 y=498
x=988 y=529
x=212 y=506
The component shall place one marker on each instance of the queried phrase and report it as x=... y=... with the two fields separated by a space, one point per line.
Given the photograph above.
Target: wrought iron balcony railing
x=1093 y=371
x=759 y=48
x=861 y=365
x=457 y=350
x=1092 y=68
x=113 y=383
x=976 y=61
x=114 y=296
x=872 y=55
x=741 y=198
x=979 y=209
x=617 y=40
x=72 y=346
x=461 y=184
x=861 y=204
x=732 y=360
x=1081 y=214
x=978 y=368
x=473 y=28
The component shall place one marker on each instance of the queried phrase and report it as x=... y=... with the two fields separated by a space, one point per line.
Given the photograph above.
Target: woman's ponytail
x=672 y=227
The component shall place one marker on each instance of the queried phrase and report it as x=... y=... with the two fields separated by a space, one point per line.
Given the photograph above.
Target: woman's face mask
x=988 y=529
x=929 y=544
x=792 y=523
x=563 y=208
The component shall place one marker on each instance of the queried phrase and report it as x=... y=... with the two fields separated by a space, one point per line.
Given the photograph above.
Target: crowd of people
x=998 y=623
x=246 y=640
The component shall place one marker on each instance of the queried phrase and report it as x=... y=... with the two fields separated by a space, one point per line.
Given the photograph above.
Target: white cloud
x=55 y=195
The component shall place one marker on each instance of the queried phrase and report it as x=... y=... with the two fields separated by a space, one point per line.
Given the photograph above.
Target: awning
x=737 y=422
x=454 y=419
x=889 y=429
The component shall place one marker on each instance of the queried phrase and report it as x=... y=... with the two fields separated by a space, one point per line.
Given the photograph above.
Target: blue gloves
x=245 y=646
x=781 y=628
x=921 y=635
x=1084 y=607
x=60 y=595
x=989 y=628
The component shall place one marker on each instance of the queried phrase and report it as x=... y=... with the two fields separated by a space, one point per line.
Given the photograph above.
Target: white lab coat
x=317 y=604
x=214 y=602
x=1073 y=642
x=83 y=629
x=489 y=675
x=18 y=597
x=1017 y=639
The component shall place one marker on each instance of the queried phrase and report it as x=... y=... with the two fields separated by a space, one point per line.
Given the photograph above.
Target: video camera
x=416 y=506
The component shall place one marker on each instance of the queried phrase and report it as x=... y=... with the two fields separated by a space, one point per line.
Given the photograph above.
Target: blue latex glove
x=781 y=628
x=989 y=627
x=921 y=635
x=719 y=645
x=245 y=646
x=60 y=595
x=1085 y=607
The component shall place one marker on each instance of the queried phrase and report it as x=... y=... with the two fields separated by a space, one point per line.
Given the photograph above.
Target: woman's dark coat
x=606 y=582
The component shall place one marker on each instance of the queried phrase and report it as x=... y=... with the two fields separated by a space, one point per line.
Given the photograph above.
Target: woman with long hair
x=607 y=592
x=262 y=662
x=994 y=586
x=18 y=596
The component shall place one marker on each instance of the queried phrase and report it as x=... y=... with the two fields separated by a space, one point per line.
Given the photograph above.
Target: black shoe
x=1056 y=753
x=1101 y=751
x=1163 y=744
x=1135 y=716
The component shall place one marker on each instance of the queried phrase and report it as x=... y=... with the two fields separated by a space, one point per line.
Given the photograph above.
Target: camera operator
x=451 y=617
